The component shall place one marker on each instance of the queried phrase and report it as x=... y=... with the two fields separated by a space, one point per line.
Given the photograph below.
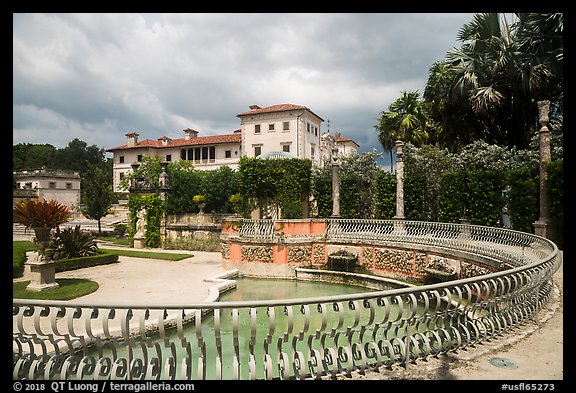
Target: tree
x=185 y=182
x=452 y=114
x=358 y=173
x=78 y=156
x=34 y=156
x=499 y=73
x=285 y=182
x=97 y=194
x=218 y=186
x=406 y=119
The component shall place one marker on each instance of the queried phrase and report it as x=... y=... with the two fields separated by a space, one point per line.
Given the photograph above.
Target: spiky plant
x=72 y=243
x=40 y=214
x=42 y=217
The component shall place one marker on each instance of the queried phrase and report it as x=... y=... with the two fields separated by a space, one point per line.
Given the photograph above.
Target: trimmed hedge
x=80 y=263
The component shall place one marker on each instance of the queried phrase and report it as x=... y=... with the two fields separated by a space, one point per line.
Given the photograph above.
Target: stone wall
x=280 y=256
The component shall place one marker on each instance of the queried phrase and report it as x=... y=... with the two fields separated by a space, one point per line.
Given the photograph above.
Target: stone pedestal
x=42 y=275
x=139 y=242
x=543 y=228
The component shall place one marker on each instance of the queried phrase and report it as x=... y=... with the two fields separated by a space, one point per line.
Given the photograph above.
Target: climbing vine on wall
x=286 y=181
x=154 y=211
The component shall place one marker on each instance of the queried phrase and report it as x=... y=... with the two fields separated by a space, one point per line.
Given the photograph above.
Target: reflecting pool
x=229 y=342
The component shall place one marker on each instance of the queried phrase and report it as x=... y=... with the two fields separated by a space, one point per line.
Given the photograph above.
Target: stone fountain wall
x=280 y=259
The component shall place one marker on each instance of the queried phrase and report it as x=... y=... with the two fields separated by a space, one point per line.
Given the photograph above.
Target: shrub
x=199 y=199
x=102 y=258
x=121 y=229
x=71 y=243
x=522 y=199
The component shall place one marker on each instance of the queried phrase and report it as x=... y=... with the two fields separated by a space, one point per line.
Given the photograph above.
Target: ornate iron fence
x=295 y=338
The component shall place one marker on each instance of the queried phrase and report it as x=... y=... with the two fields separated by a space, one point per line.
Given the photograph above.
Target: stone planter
x=42 y=270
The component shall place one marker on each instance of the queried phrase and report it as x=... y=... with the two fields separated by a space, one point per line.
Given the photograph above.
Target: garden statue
x=141 y=223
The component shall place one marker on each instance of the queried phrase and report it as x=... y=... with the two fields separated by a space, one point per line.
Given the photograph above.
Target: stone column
x=399 y=182
x=164 y=187
x=542 y=227
x=335 y=184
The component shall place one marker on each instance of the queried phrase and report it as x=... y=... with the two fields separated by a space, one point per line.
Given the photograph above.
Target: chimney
x=132 y=139
x=165 y=140
x=190 y=133
x=254 y=107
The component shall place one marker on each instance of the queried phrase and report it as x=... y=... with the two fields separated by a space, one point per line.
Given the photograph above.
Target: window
x=168 y=157
x=286 y=126
x=212 y=154
x=286 y=148
x=52 y=184
x=204 y=153
x=68 y=186
x=183 y=154
x=197 y=154
x=271 y=127
x=312 y=151
x=315 y=131
x=121 y=159
x=190 y=155
x=228 y=154
x=308 y=127
x=139 y=159
x=122 y=175
x=257 y=129
x=257 y=151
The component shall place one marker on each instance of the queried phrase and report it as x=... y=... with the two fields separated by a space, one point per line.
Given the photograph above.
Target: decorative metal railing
x=294 y=338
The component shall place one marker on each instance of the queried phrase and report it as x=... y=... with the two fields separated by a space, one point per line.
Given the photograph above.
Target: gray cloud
x=97 y=76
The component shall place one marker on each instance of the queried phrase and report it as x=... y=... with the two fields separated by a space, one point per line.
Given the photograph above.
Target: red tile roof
x=344 y=140
x=182 y=142
x=277 y=108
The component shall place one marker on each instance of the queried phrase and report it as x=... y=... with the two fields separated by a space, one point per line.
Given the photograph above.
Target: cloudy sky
x=96 y=77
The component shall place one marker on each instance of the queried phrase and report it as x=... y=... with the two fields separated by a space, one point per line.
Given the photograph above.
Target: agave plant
x=71 y=243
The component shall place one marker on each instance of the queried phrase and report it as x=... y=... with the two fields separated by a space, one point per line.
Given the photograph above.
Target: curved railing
x=295 y=338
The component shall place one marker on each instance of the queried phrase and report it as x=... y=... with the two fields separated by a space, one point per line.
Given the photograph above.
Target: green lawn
x=69 y=288
x=19 y=248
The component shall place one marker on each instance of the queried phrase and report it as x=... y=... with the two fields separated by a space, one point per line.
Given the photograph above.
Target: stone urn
x=42 y=270
x=41 y=217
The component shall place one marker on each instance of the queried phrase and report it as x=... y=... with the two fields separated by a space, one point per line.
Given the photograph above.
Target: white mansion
x=287 y=128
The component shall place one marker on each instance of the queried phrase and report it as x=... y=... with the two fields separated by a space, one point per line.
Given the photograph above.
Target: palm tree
x=540 y=37
x=497 y=77
x=387 y=137
x=406 y=119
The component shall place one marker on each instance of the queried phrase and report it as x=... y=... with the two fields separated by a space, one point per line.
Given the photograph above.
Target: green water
x=266 y=330
x=276 y=289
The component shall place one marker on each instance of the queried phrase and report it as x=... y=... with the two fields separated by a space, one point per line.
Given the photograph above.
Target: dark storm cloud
x=97 y=76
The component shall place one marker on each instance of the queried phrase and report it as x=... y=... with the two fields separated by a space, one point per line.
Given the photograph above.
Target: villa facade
x=287 y=128
x=47 y=184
